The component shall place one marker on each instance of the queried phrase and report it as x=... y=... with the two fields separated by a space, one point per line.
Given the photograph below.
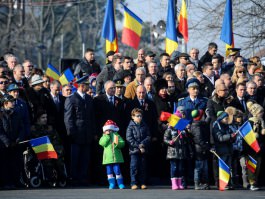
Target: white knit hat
x=110 y=125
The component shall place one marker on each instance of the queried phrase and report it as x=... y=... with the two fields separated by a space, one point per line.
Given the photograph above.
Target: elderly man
x=80 y=125
x=130 y=91
x=180 y=77
x=194 y=58
x=148 y=84
x=11 y=61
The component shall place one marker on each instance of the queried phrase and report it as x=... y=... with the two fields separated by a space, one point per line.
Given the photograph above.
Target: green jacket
x=112 y=152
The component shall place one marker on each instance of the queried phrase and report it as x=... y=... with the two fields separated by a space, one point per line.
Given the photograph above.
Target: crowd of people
x=106 y=126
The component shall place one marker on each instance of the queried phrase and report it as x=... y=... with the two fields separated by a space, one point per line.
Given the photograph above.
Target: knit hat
x=197 y=114
x=110 y=125
x=254 y=108
x=92 y=77
x=221 y=115
x=180 y=111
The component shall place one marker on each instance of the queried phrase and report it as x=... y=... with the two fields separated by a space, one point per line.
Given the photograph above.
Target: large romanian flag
x=52 y=72
x=251 y=164
x=43 y=148
x=66 y=77
x=224 y=174
x=247 y=133
x=132 y=29
x=174 y=121
x=227 y=35
x=109 y=29
x=183 y=21
x=171 y=31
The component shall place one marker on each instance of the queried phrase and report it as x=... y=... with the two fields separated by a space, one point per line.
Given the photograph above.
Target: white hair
x=179 y=65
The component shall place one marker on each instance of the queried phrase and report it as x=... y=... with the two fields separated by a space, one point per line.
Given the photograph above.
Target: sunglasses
x=139 y=116
x=185 y=58
x=241 y=71
x=4 y=82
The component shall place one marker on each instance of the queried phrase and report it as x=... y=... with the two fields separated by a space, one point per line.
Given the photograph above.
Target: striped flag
x=109 y=30
x=132 y=29
x=66 y=77
x=247 y=133
x=224 y=174
x=183 y=21
x=227 y=35
x=43 y=148
x=171 y=31
x=174 y=121
x=52 y=72
x=251 y=164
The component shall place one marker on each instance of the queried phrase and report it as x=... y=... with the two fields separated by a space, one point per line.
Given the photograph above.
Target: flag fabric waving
x=132 y=29
x=251 y=164
x=174 y=121
x=171 y=31
x=247 y=133
x=227 y=27
x=43 y=148
x=224 y=174
x=109 y=30
x=183 y=21
x=52 y=72
x=66 y=77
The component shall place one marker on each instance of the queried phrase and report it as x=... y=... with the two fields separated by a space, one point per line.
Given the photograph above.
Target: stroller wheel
x=35 y=182
x=62 y=183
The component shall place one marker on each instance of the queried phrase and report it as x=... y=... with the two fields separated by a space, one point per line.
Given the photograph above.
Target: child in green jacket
x=112 y=143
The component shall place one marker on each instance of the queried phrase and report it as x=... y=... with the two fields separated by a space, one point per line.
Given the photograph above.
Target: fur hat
x=159 y=84
x=254 y=108
x=231 y=111
x=110 y=125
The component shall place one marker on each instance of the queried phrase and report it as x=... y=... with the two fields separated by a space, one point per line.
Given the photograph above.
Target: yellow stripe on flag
x=223 y=175
x=250 y=137
x=63 y=80
x=252 y=164
x=43 y=148
x=111 y=45
x=171 y=46
x=173 y=120
x=132 y=24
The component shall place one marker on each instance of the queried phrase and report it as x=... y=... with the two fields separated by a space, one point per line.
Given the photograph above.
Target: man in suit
x=180 y=77
x=3 y=85
x=240 y=101
x=209 y=79
x=79 y=121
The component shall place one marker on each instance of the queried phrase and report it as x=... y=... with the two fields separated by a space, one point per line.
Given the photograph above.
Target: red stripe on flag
x=255 y=146
x=130 y=38
x=222 y=185
x=164 y=116
x=47 y=155
x=183 y=27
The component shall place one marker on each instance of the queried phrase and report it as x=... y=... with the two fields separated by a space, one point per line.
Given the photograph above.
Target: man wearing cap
x=109 y=56
x=193 y=101
x=183 y=58
x=79 y=120
x=119 y=89
x=212 y=50
x=150 y=56
x=11 y=133
x=87 y=65
x=21 y=106
x=108 y=73
x=164 y=64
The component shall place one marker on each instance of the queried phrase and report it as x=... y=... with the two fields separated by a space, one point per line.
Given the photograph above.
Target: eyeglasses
x=139 y=116
x=4 y=82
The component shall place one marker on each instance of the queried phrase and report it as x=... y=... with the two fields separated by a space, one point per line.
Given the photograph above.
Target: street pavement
x=154 y=192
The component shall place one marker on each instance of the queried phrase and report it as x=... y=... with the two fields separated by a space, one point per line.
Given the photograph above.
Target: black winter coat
x=85 y=68
x=137 y=135
x=79 y=118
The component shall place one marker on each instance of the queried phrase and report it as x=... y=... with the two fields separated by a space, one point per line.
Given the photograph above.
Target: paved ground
x=151 y=193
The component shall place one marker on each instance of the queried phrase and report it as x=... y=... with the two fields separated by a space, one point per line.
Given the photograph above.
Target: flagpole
x=215 y=154
x=32 y=139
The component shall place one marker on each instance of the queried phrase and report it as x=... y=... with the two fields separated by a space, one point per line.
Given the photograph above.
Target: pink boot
x=174 y=184
x=179 y=183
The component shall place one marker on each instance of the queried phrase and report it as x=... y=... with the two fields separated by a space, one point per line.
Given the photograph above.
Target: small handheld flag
x=174 y=121
x=251 y=164
x=52 y=72
x=43 y=148
x=247 y=133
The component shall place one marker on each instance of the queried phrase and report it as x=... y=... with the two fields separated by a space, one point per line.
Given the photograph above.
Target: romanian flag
x=66 y=77
x=251 y=164
x=43 y=148
x=174 y=121
x=183 y=21
x=247 y=133
x=132 y=29
x=52 y=72
x=227 y=27
x=109 y=29
x=171 y=31
x=224 y=174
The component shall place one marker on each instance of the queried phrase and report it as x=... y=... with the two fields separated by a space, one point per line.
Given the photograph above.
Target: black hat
x=7 y=98
x=193 y=82
x=150 y=54
x=233 y=51
x=159 y=84
x=110 y=53
x=126 y=73
x=83 y=80
x=183 y=55
x=119 y=82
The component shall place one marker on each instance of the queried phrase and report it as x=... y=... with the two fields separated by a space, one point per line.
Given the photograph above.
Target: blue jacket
x=137 y=136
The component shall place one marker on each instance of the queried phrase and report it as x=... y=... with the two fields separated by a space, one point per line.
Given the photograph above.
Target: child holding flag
x=258 y=127
x=112 y=143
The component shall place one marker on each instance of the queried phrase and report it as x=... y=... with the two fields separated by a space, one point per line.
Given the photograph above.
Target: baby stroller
x=35 y=172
